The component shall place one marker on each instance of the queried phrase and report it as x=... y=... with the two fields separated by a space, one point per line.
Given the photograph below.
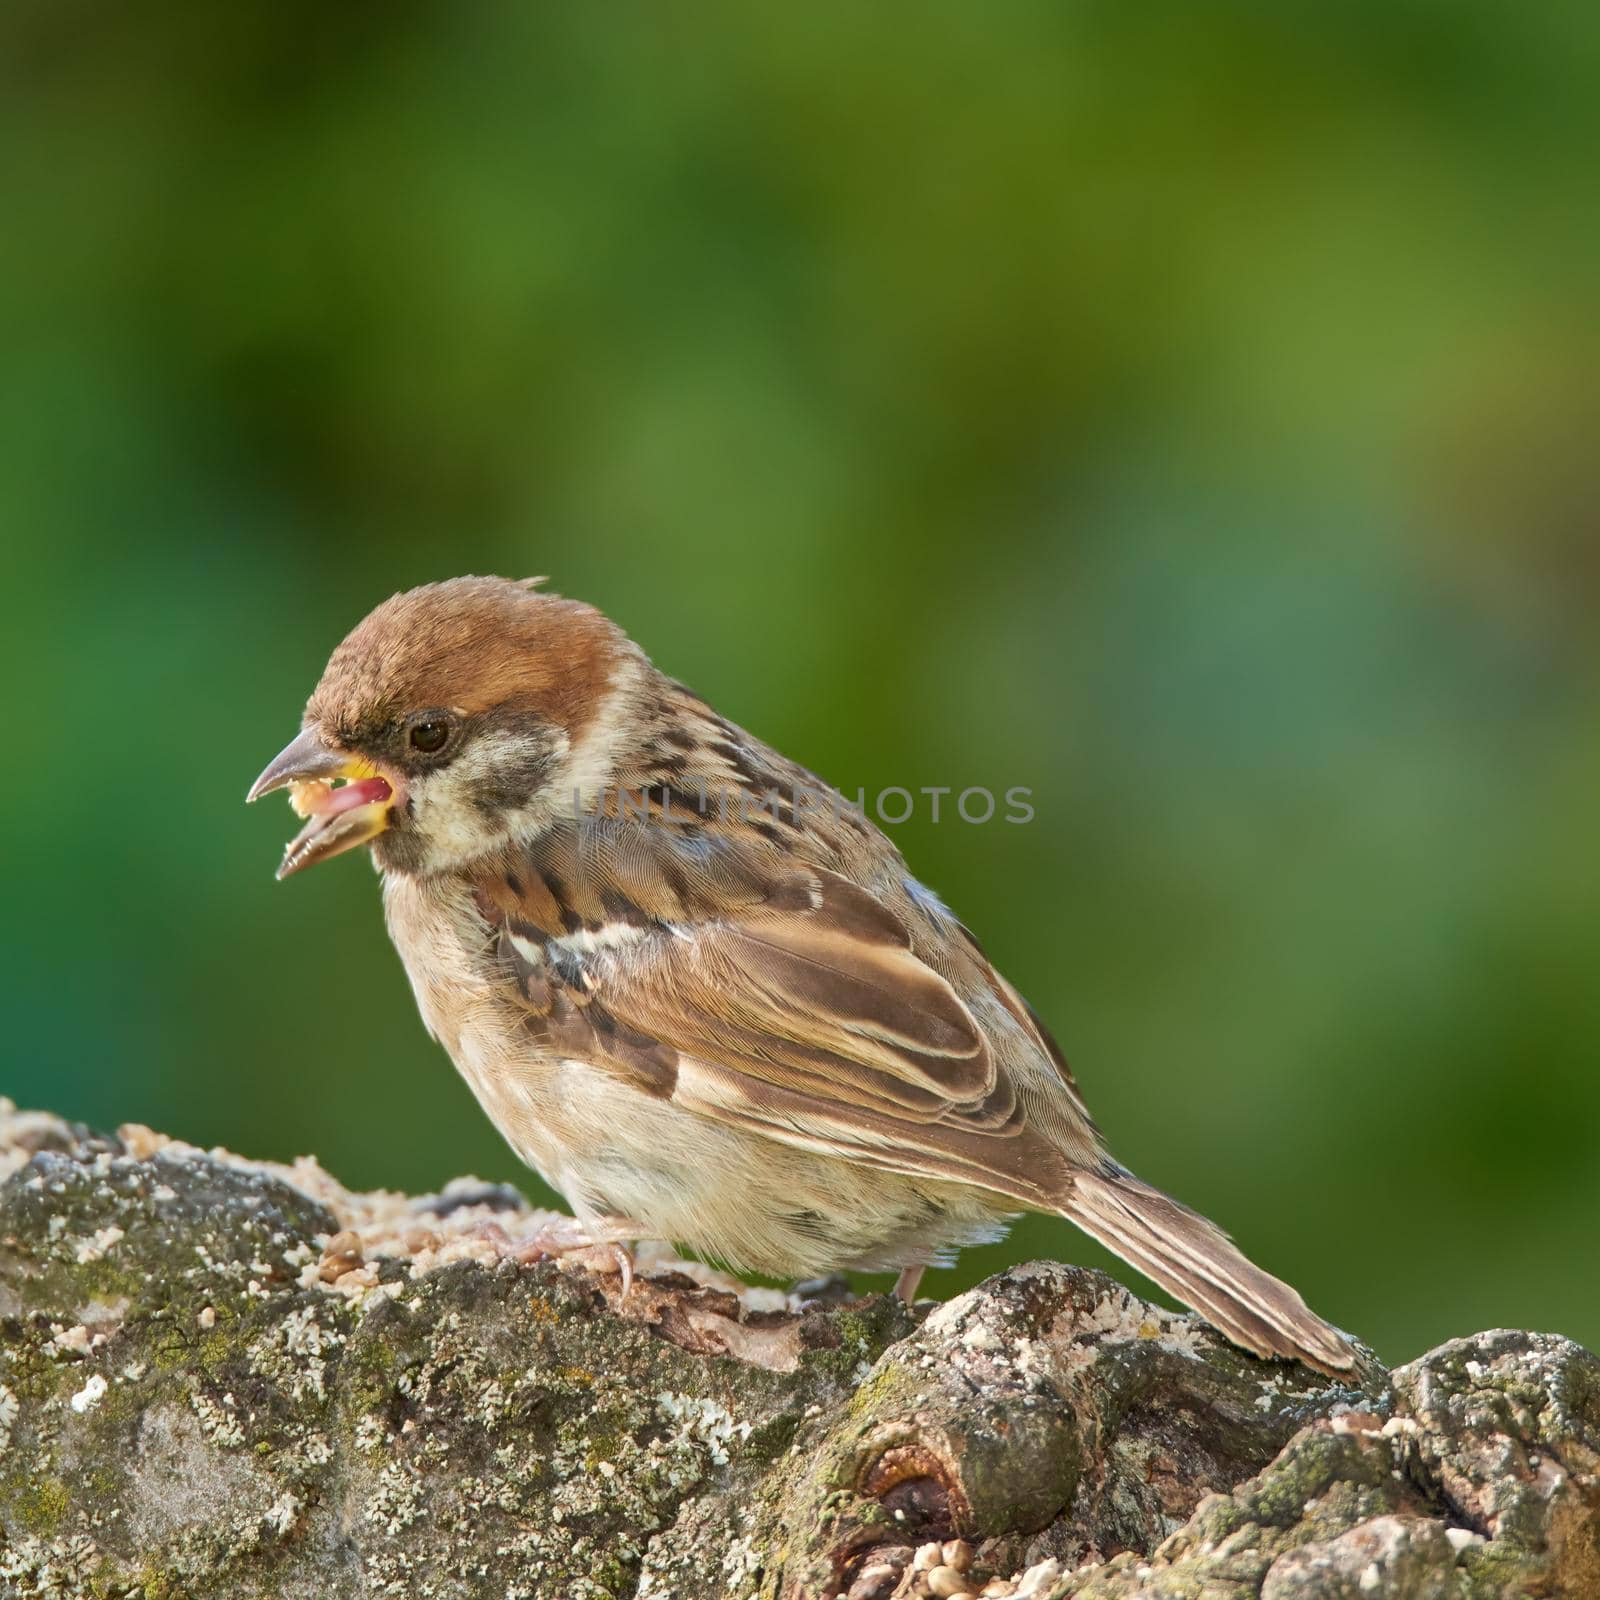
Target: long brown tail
x=1196 y=1261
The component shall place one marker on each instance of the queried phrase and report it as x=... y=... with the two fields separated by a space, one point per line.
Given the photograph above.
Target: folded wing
x=760 y=992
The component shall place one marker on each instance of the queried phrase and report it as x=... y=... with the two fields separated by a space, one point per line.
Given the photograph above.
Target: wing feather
x=762 y=992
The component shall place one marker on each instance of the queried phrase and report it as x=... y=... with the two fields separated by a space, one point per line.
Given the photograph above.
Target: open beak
x=338 y=819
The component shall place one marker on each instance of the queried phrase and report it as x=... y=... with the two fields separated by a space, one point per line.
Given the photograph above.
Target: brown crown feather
x=469 y=644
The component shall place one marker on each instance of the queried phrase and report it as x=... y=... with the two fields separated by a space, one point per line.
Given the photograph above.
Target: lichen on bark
x=229 y=1378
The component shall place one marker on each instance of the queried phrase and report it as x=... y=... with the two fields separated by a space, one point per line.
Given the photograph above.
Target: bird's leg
x=605 y=1240
x=905 y=1286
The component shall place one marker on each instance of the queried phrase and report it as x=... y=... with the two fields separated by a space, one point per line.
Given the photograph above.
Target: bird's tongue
x=336 y=819
x=322 y=800
x=360 y=793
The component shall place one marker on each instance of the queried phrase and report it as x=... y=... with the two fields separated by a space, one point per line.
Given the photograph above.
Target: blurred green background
x=1187 y=412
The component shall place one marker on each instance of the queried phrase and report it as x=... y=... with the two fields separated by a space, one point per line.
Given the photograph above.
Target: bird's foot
x=832 y=1290
x=601 y=1249
x=905 y=1286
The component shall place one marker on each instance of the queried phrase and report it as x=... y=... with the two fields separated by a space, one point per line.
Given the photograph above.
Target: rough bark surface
x=226 y=1378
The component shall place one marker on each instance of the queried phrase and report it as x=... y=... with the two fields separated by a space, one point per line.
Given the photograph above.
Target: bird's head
x=454 y=717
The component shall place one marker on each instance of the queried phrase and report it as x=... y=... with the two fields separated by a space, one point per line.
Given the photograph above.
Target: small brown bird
x=696 y=990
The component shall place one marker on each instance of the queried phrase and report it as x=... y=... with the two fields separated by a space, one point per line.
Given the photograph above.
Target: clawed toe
x=832 y=1290
x=562 y=1237
x=623 y=1257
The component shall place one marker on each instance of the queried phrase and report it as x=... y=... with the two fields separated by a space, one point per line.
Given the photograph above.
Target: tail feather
x=1196 y=1261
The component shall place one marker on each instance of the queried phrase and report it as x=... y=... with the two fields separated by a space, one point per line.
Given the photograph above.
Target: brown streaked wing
x=802 y=1007
x=564 y=1017
x=801 y=1012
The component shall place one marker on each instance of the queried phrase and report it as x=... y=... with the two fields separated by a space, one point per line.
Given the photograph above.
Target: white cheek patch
x=456 y=829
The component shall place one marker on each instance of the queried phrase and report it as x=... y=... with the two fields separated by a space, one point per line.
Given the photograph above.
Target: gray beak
x=336 y=819
x=303 y=757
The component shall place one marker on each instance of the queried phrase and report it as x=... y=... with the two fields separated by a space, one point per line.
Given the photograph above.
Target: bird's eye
x=429 y=737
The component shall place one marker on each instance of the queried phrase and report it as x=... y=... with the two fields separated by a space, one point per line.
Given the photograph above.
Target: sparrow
x=694 y=988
